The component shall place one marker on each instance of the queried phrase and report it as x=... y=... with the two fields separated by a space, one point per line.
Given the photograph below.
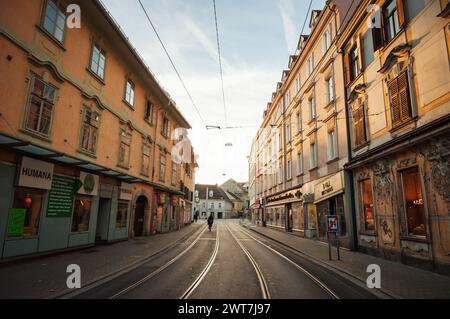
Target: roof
x=218 y=193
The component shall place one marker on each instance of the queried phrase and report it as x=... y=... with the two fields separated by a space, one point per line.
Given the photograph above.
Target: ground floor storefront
x=48 y=206
x=305 y=210
x=403 y=203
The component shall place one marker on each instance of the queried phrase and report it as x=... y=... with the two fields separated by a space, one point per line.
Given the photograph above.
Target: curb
x=70 y=293
x=380 y=293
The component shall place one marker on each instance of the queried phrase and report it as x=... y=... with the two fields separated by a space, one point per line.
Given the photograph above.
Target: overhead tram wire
x=173 y=64
x=220 y=62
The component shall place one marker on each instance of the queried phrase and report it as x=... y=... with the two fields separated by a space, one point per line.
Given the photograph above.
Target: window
x=400 y=100
x=367 y=204
x=174 y=173
x=220 y=205
x=162 y=168
x=299 y=122
x=413 y=8
x=289 y=170
x=332 y=153
x=310 y=64
x=145 y=169
x=413 y=202
x=313 y=154
x=368 y=49
x=149 y=112
x=299 y=163
x=212 y=205
x=326 y=41
x=40 y=109
x=165 y=128
x=125 y=148
x=55 y=19
x=312 y=108
x=288 y=131
x=81 y=214
x=330 y=89
x=298 y=84
x=129 y=93
x=89 y=131
x=287 y=99
x=359 y=123
x=354 y=63
x=25 y=213
x=122 y=215
x=391 y=20
x=98 y=61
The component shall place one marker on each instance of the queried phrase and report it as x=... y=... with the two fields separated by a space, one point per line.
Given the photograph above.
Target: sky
x=256 y=36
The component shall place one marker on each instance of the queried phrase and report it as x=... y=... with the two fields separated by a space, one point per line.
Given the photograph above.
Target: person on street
x=210 y=221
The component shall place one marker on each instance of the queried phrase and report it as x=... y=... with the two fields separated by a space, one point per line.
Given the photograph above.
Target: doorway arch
x=139 y=215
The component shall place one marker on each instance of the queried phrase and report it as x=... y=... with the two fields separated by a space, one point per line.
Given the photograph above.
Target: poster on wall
x=16 y=222
x=89 y=184
x=60 y=199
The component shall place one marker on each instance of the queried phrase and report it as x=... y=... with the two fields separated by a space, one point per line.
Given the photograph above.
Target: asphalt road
x=230 y=262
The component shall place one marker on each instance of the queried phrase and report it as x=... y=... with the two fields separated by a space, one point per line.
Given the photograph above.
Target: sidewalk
x=397 y=280
x=46 y=277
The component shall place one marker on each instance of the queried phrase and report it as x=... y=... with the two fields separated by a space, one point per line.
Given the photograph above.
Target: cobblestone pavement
x=397 y=280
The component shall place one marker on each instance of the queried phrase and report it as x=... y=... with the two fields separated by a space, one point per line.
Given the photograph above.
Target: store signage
x=333 y=224
x=295 y=194
x=89 y=184
x=60 y=198
x=126 y=191
x=328 y=188
x=35 y=174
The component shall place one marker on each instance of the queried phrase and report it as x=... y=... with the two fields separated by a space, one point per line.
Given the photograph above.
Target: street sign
x=333 y=224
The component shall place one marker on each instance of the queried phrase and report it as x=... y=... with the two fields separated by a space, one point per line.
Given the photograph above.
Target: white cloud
x=287 y=8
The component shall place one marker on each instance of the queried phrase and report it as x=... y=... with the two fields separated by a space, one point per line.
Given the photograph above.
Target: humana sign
x=35 y=174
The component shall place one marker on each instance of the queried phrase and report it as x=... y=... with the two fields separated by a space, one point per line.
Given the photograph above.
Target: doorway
x=220 y=216
x=104 y=210
x=139 y=216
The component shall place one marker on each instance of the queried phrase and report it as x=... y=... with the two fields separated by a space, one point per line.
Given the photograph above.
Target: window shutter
x=403 y=92
x=401 y=13
x=347 y=68
x=395 y=103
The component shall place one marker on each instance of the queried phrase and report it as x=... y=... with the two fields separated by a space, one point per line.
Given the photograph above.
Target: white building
x=212 y=199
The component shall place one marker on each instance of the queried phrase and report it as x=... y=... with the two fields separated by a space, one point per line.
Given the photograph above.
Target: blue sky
x=257 y=37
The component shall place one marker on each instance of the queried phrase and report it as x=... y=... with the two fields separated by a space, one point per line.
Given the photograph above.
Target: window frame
x=91 y=127
x=149 y=118
x=102 y=51
x=132 y=85
x=162 y=168
x=42 y=100
x=362 y=205
x=49 y=33
x=387 y=18
x=129 y=135
x=148 y=156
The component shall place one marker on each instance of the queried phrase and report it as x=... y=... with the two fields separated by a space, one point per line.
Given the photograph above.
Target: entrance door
x=220 y=215
x=139 y=214
x=104 y=210
x=290 y=218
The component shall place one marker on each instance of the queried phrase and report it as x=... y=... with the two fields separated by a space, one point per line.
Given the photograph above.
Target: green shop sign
x=60 y=199
x=16 y=222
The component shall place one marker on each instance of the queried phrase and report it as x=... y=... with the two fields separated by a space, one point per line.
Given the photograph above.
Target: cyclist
x=210 y=221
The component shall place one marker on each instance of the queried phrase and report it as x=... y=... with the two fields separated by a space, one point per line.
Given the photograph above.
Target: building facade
x=85 y=134
x=237 y=193
x=297 y=160
x=397 y=79
x=212 y=200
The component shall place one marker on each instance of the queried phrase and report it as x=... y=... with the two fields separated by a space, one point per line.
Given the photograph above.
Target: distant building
x=238 y=194
x=211 y=199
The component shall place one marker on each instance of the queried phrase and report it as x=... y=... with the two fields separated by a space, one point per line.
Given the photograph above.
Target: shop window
x=125 y=148
x=98 y=61
x=366 y=196
x=122 y=215
x=413 y=203
x=40 y=108
x=25 y=213
x=54 y=21
x=89 y=131
x=400 y=100
x=129 y=93
x=81 y=214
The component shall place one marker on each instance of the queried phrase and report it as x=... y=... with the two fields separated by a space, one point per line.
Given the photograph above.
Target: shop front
x=285 y=211
x=330 y=201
